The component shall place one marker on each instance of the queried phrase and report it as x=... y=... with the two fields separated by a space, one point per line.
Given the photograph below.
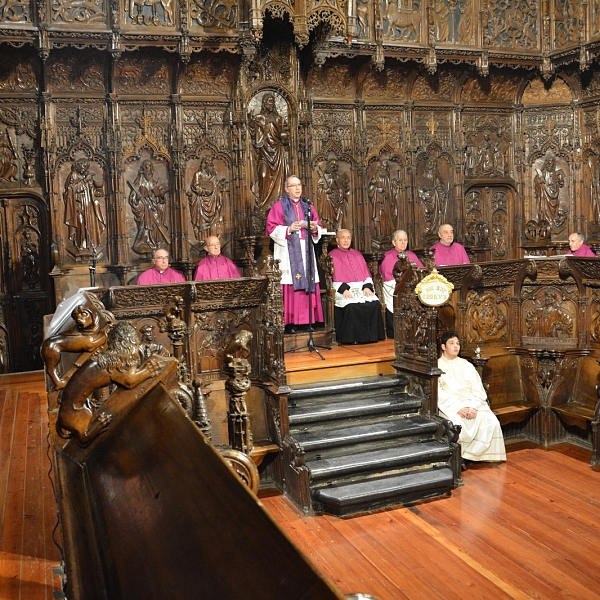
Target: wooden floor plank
x=12 y=538
x=40 y=552
x=7 y=425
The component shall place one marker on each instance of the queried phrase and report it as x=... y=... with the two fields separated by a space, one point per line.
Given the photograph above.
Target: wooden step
x=363 y=386
x=373 y=494
x=355 y=408
x=401 y=427
x=383 y=459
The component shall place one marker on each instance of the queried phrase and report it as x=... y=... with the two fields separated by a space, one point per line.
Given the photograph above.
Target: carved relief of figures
x=206 y=195
x=403 y=22
x=434 y=193
x=594 y=182
x=147 y=199
x=486 y=156
x=8 y=157
x=333 y=189
x=383 y=194
x=83 y=212
x=216 y=334
x=513 y=23
x=148 y=344
x=499 y=249
x=484 y=159
x=547 y=318
x=146 y=12
x=442 y=14
x=548 y=182
x=270 y=139
x=486 y=316
x=362 y=19
x=465 y=26
x=30 y=260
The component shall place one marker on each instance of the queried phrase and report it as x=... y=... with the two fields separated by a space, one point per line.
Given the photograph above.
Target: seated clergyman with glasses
x=160 y=272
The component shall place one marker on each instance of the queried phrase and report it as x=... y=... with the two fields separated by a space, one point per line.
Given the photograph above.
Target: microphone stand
x=310 y=277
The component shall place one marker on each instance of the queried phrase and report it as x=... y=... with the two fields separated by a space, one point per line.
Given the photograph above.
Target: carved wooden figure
x=118 y=364
x=270 y=140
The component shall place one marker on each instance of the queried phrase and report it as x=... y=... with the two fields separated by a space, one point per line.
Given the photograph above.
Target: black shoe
x=290 y=329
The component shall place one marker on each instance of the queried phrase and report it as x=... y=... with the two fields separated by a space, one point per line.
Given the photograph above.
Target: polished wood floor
x=529 y=528
x=29 y=558
x=339 y=362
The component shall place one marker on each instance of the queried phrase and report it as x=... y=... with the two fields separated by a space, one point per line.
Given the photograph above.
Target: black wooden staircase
x=362 y=445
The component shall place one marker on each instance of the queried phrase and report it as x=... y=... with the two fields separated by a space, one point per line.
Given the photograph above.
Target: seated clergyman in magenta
x=161 y=272
x=214 y=265
x=358 y=317
x=447 y=251
x=577 y=247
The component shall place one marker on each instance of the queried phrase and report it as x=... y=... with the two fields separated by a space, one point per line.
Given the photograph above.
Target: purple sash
x=294 y=247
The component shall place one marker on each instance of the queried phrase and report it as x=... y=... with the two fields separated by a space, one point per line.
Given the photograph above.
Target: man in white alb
x=462 y=399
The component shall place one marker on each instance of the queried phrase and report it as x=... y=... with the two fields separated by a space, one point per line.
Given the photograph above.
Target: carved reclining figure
x=89 y=333
x=118 y=364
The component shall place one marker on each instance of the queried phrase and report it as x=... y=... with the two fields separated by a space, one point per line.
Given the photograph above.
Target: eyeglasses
x=161 y=258
x=294 y=185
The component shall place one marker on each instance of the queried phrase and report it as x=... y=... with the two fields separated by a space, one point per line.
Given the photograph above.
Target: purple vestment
x=390 y=258
x=349 y=265
x=216 y=267
x=295 y=302
x=455 y=254
x=583 y=250
x=153 y=275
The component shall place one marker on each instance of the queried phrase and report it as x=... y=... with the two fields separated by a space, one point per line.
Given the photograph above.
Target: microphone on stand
x=310 y=202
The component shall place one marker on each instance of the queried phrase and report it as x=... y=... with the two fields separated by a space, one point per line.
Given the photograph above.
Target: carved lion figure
x=118 y=364
x=239 y=343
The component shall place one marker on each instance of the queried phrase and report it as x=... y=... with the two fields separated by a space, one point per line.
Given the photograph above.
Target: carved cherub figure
x=118 y=364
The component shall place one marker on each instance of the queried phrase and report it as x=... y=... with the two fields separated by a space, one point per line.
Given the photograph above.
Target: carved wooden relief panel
x=145 y=125
x=549 y=312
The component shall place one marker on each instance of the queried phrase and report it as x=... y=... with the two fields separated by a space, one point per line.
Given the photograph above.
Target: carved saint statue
x=270 y=138
x=8 y=157
x=30 y=261
x=147 y=199
x=433 y=193
x=548 y=319
x=333 y=189
x=383 y=195
x=547 y=183
x=486 y=156
x=206 y=197
x=83 y=211
x=593 y=164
